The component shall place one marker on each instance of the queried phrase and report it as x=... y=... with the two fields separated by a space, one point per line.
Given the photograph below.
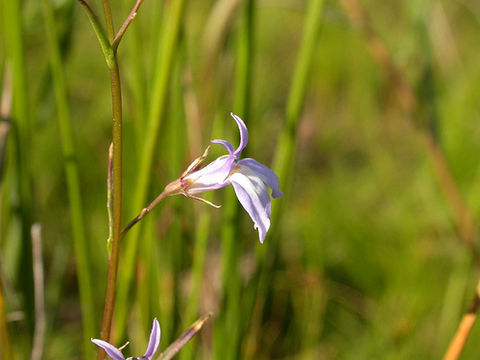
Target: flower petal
x=264 y=173
x=154 y=340
x=225 y=144
x=212 y=176
x=111 y=350
x=253 y=195
x=243 y=135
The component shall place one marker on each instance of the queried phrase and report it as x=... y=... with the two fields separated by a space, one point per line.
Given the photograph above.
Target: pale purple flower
x=248 y=177
x=152 y=347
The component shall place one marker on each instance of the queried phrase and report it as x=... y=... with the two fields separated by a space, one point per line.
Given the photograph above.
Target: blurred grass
x=21 y=134
x=365 y=260
x=72 y=178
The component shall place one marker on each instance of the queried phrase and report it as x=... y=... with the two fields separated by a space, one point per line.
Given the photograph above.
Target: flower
x=248 y=177
x=152 y=347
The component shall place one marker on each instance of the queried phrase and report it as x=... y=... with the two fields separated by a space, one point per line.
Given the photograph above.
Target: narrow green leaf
x=107 y=49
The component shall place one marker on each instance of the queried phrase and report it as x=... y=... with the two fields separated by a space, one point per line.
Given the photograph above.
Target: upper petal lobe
x=154 y=340
x=243 y=135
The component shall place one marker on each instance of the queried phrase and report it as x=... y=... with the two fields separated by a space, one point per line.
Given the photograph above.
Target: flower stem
x=126 y=24
x=117 y=204
x=107 y=10
x=144 y=212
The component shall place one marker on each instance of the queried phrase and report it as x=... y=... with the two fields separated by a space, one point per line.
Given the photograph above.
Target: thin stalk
x=228 y=334
x=22 y=131
x=115 y=84
x=126 y=24
x=73 y=180
x=107 y=12
x=156 y=113
x=117 y=205
x=144 y=212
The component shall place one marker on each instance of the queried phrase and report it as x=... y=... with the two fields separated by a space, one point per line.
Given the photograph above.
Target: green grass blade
x=13 y=27
x=73 y=181
x=286 y=147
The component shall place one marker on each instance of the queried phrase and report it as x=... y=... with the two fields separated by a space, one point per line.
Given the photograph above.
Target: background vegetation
x=368 y=114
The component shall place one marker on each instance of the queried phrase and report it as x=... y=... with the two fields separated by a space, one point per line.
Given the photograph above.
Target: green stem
x=116 y=226
x=107 y=49
x=73 y=180
x=107 y=11
x=156 y=113
x=116 y=203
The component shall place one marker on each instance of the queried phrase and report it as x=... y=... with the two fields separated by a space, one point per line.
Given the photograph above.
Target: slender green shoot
x=107 y=49
x=286 y=148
